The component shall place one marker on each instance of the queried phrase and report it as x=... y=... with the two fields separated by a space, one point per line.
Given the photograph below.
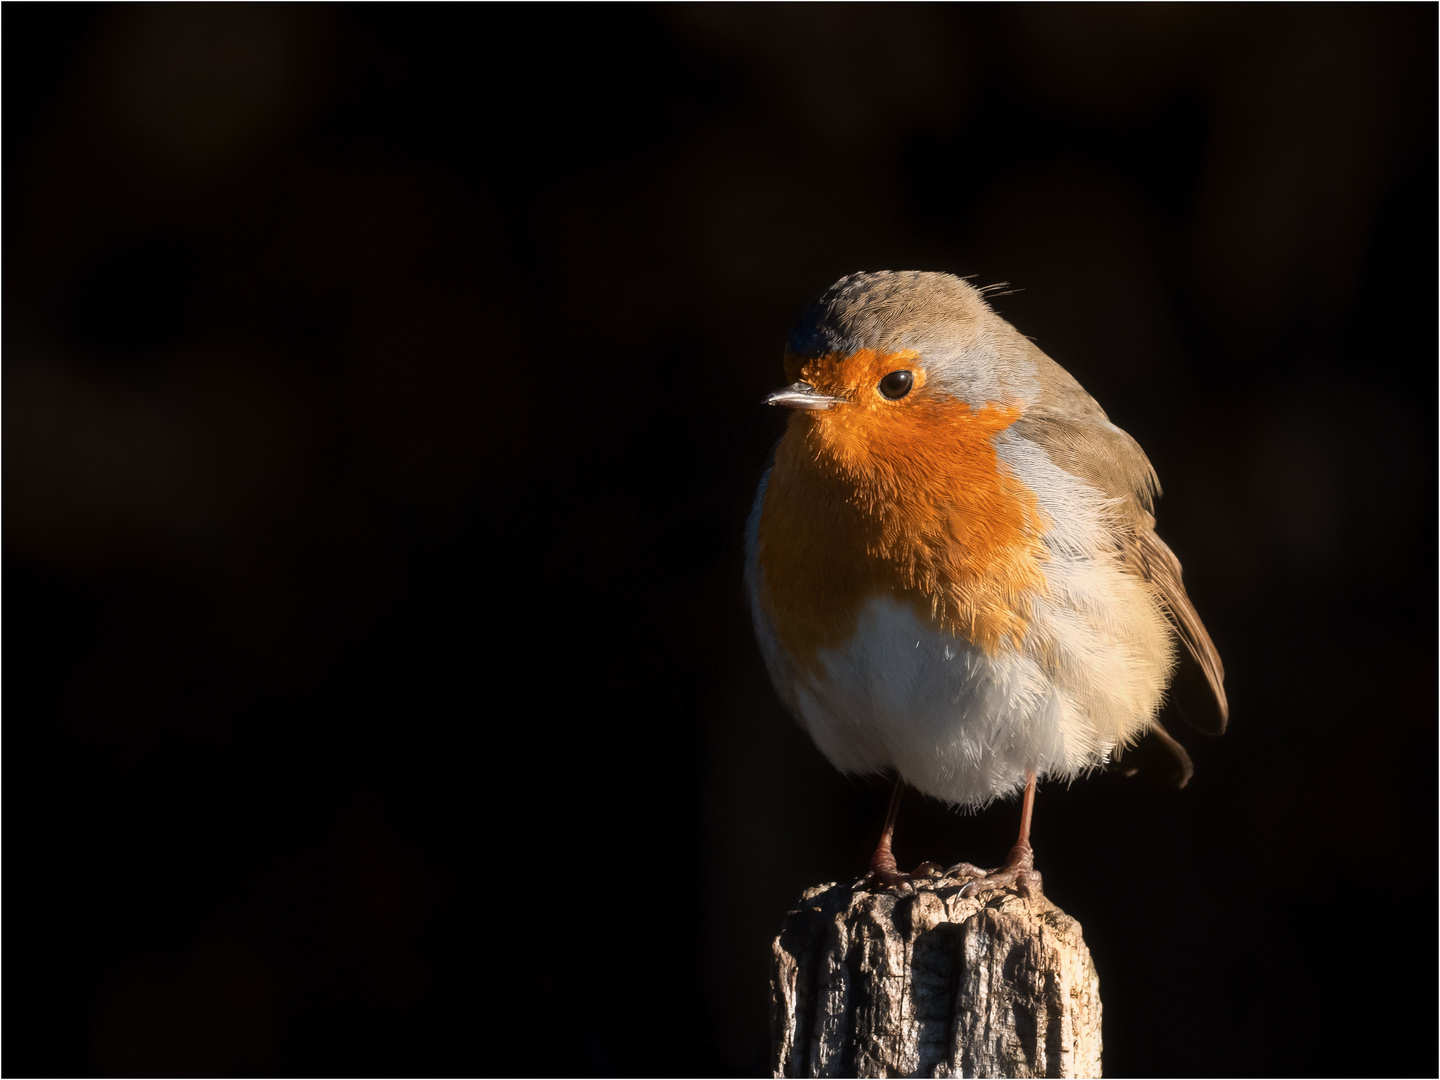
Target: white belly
x=964 y=726
x=955 y=723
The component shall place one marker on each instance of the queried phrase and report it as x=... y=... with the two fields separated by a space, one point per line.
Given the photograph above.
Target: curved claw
x=885 y=879
x=887 y=876
x=1026 y=883
x=1019 y=871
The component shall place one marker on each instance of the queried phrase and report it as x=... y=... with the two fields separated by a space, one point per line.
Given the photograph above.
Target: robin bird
x=952 y=562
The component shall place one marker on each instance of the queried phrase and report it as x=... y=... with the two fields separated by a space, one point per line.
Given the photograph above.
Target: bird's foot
x=1019 y=871
x=885 y=874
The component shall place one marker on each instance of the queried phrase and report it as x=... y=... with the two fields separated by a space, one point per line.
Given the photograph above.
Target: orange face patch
x=903 y=498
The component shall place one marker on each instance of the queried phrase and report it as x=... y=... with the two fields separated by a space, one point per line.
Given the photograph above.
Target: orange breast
x=867 y=500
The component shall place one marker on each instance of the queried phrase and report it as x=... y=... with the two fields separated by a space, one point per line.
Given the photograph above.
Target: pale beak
x=802 y=395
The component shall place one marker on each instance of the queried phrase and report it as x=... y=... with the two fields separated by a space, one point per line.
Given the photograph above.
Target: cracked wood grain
x=929 y=984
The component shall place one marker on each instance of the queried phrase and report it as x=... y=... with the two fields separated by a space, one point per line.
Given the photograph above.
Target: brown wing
x=1078 y=437
x=1198 y=691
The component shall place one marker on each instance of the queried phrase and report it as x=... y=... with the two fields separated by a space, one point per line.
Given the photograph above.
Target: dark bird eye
x=897 y=384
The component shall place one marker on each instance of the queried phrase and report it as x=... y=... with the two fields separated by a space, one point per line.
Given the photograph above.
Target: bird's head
x=886 y=367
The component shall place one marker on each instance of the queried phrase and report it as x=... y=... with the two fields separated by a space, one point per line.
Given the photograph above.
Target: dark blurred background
x=381 y=416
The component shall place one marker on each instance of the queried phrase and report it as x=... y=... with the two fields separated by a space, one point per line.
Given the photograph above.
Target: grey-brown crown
x=889 y=310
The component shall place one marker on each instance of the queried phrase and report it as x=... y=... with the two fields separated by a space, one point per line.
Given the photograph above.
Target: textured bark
x=928 y=984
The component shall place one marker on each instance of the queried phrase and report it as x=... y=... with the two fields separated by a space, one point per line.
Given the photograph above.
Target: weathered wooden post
x=926 y=983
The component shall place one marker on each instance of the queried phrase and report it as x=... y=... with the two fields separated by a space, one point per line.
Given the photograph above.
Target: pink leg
x=882 y=863
x=1019 y=869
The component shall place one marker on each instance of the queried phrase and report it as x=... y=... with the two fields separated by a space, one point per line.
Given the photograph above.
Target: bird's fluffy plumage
x=965 y=584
